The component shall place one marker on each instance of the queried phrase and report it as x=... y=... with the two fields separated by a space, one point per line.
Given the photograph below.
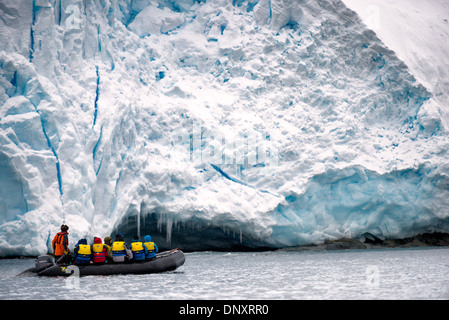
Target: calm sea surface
x=365 y=274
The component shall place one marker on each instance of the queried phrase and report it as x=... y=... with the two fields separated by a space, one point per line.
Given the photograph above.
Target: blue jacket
x=150 y=253
x=138 y=255
x=80 y=257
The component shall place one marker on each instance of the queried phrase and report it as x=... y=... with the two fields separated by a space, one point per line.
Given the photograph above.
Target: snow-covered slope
x=418 y=32
x=216 y=124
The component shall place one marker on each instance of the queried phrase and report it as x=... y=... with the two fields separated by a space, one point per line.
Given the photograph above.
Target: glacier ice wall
x=211 y=124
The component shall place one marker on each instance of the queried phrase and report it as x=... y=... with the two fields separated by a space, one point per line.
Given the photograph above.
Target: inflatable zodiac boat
x=164 y=261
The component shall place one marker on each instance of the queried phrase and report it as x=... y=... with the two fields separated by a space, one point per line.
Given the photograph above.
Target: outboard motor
x=41 y=263
x=44 y=262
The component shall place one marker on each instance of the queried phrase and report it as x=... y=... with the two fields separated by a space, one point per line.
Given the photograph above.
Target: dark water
x=366 y=274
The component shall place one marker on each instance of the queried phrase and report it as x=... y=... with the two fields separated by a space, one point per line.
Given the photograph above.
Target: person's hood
x=82 y=241
x=147 y=238
x=97 y=240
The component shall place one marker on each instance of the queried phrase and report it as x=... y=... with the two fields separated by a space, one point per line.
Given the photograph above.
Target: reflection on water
x=365 y=274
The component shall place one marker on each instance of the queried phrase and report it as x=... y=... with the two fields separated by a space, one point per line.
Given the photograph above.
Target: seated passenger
x=108 y=244
x=99 y=251
x=138 y=249
x=82 y=253
x=120 y=250
x=151 y=248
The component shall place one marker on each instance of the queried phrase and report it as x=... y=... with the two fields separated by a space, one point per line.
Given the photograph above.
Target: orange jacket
x=60 y=243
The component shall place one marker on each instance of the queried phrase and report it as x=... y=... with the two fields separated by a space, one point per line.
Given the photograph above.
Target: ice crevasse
x=218 y=124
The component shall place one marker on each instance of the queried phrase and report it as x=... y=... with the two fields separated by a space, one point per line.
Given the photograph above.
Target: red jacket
x=99 y=251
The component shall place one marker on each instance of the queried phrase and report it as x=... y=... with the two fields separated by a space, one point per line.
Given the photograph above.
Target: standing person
x=99 y=251
x=82 y=254
x=138 y=249
x=60 y=245
x=120 y=250
x=152 y=248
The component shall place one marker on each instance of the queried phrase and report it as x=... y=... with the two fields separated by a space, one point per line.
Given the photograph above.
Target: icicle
x=159 y=222
x=138 y=224
x=169 y=230
x=140 y=215
x=241 y=236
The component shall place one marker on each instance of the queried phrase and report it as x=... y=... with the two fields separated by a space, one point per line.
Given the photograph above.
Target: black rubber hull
x=164 y=261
